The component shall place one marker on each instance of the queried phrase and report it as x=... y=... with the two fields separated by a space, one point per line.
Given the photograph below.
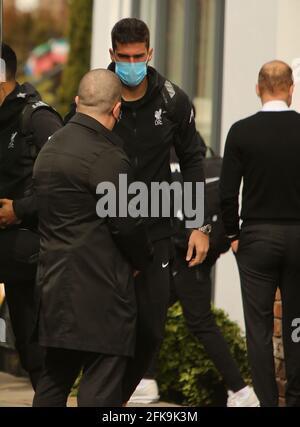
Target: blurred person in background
x=26 y=123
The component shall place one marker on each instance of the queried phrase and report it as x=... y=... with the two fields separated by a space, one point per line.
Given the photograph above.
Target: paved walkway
x=14 y=391
x=17 y=392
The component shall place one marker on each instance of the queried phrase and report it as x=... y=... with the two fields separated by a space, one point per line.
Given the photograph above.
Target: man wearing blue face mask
x=156 y=115
x=131 y=73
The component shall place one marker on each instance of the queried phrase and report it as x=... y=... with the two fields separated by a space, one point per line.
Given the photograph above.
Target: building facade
x=213 y=49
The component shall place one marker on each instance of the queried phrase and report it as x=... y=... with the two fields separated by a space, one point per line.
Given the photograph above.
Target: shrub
x=186 y=375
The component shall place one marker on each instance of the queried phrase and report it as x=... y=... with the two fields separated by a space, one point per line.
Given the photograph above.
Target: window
x=175 y=38
x=187 y=36
x=207 y=94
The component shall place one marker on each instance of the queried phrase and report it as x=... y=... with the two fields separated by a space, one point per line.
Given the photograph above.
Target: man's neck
x=105 y=120
x=131 y=94
x=6 y=89
x=266 y=99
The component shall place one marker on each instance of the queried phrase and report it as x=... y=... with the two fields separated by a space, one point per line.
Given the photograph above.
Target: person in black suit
x=87 y=262
x=264 y=151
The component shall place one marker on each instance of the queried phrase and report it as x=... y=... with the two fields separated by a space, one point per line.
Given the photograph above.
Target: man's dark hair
x=10 y=59
x=130 y=30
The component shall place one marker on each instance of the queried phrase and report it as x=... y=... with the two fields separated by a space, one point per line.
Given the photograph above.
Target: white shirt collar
x=275 y=106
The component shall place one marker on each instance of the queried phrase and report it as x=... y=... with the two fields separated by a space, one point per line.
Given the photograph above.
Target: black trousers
x=20 y=298
x=268 y=257
x=192 y=287
x=100 y=384
x=152 y=293
x=19 y=250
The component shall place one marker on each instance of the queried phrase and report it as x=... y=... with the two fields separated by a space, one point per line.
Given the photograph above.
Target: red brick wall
x=278 y=349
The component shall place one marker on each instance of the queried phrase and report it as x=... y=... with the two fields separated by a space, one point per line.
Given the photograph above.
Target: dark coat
x=85 y=278
x=149 y=128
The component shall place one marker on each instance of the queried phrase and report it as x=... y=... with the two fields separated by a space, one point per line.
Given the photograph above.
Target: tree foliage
x=24 y=31
x=79 y=35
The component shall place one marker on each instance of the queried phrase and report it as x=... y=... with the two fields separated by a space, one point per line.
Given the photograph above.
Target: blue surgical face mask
x=131 y=73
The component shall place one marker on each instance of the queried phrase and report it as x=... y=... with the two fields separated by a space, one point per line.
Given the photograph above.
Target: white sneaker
x=245 y=398
x=146 y=392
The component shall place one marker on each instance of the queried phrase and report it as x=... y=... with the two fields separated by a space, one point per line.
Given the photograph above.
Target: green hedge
x=186 y=375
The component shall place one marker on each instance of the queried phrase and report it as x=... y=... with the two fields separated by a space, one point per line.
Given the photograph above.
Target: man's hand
x=235 y=246
x=198 y=242
x=7 y=214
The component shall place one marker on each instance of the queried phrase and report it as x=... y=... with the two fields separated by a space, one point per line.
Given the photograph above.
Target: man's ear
x=117 y=109
x=291 y=90
x=150 y=54
x=258 y=91
x=77 y=100
x=112 y=55
x=2 y=94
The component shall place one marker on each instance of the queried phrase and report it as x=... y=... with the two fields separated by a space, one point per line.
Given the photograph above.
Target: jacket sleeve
x=230 y=183
x=189 y=146
x=44 y=124
x=129 y=233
